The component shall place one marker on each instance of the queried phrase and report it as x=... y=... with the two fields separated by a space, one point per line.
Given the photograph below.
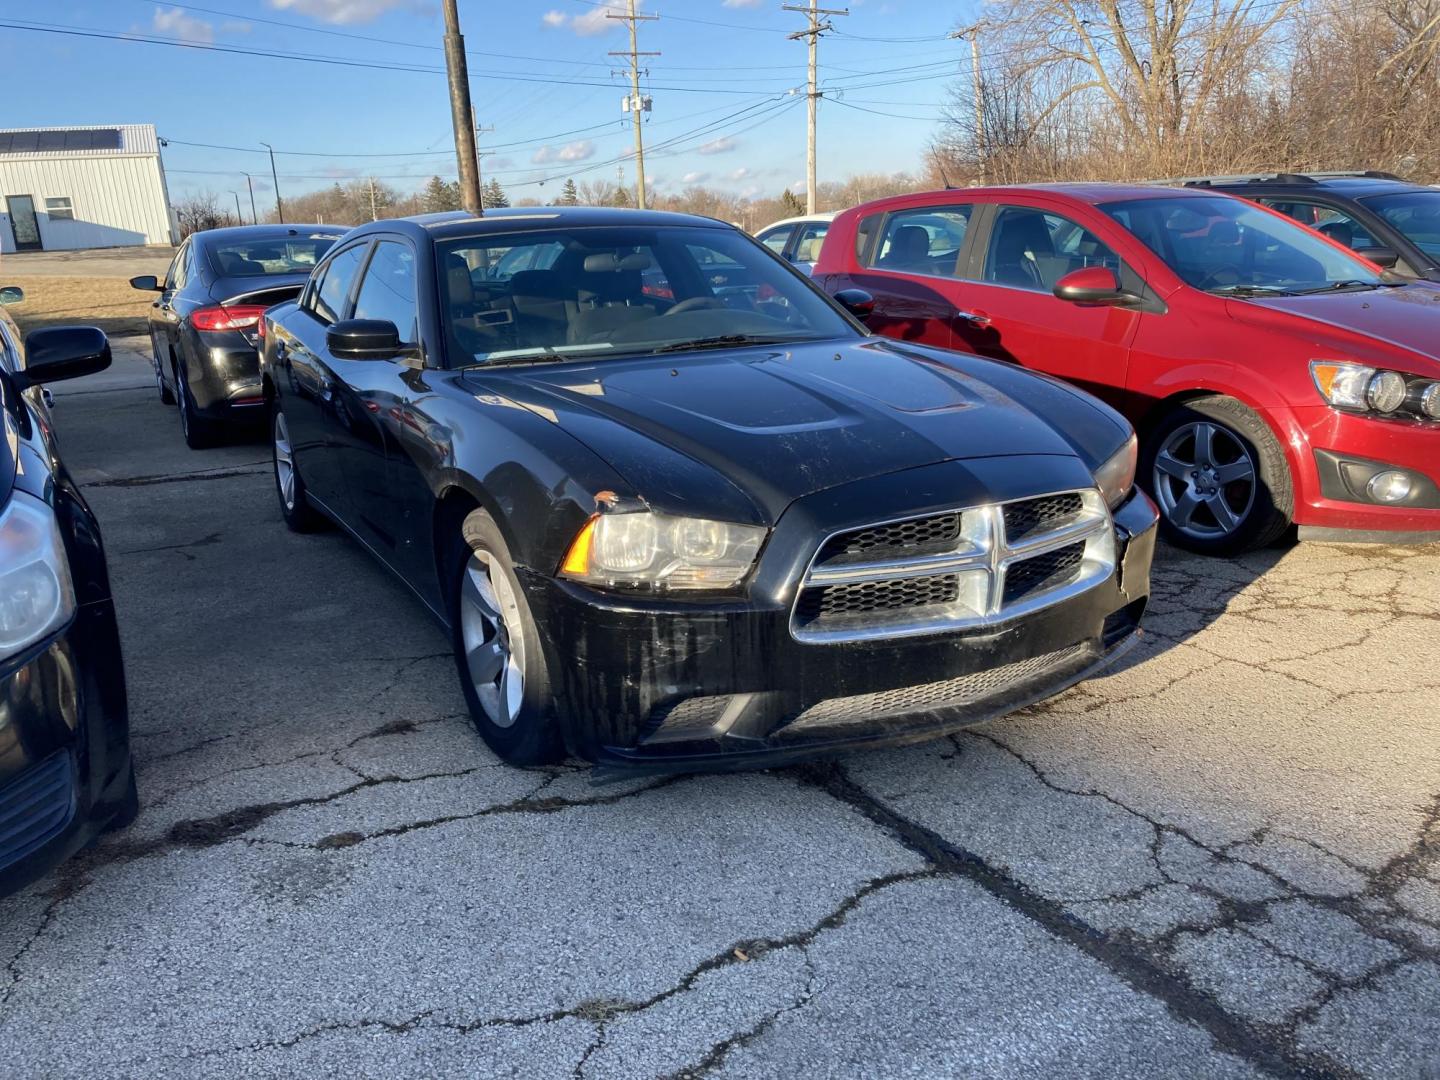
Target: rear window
x=262 y=257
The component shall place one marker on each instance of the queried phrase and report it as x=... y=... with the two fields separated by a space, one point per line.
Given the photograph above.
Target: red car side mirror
x=1091 y=285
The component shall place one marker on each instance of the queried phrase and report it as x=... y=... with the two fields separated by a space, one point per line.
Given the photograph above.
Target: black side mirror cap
x=63 y=352
x=856 y=301
x=1383 y=257
x=364 y=339
x=147 y=283
x=11 y=294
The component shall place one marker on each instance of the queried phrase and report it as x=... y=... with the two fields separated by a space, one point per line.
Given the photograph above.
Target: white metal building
x=67 y=188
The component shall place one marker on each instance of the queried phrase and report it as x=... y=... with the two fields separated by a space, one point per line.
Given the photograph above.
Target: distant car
x=677 y=510
x=65 y=769
x=203 y=325
x=1275 y=377
x=1391 y=222
x=798 y=239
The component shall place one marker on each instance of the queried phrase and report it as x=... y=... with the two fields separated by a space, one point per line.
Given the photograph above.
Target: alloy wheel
x=284 y=462
x=1205 y=480
x=182 y=397
x=494 y=639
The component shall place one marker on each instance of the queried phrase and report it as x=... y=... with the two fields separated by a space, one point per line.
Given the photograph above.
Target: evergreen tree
x=569 y=196
x=440 y=195
x=622 y=197
x=493 y=196
x=790 y=204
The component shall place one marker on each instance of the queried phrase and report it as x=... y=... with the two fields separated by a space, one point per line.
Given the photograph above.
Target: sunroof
x=44 y=142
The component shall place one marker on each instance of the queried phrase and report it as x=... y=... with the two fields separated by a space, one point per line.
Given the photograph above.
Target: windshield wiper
x=1349 y=283
x=1243 y=291
x=720 y=341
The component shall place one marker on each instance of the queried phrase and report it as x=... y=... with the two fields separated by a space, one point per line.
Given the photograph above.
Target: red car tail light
x=220 y=317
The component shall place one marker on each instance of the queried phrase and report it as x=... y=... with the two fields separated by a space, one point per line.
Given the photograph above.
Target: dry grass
x=109 y=303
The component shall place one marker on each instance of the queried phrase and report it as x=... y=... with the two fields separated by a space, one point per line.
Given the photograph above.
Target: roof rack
x=1282 y=177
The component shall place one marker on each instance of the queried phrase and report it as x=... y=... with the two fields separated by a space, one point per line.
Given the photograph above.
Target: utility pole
x=239 y=218
x=813 y=32
x=634 y=104
x=982 y=150
x=254 y=218
x=373 y=215
x=461 y=115
x=279 y=206
x=479 y=177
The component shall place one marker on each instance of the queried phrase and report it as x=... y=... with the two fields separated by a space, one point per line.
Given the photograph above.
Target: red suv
x=1274 y=376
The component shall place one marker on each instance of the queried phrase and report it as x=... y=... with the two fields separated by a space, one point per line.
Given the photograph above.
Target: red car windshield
x=1226 y=245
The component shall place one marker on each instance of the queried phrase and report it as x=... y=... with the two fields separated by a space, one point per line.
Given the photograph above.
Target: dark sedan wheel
x=497 y=650
x=1219 y=477
x=295 y=508
x=166 y=397
x=200 y=432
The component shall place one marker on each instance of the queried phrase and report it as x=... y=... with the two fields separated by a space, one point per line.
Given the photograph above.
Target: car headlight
x=1361 y=388
x=1117 y=476
x=36 y=595
x=658 y=551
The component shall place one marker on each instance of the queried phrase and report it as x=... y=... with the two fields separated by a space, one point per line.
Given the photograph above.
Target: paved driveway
x=1222 y=860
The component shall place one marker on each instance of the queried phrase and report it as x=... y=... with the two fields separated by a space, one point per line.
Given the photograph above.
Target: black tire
x=129 y=808
x=529 y=733
x=166 y=397
x=1194 y=464
x=299 y=513
x=200 y=432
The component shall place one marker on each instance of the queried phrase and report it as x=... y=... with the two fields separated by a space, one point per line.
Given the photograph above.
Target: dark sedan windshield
x=623 y=290
x=261 y=258
x=1415 y=214
x=1222 y=245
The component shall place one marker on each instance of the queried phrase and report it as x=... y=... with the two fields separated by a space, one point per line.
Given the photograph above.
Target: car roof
x=1351 y=185
x=455 y=224
x=240 y=233
x=1092 y=192
x=803 y=219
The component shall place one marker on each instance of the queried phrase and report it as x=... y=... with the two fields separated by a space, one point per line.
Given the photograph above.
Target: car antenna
x=945 y=179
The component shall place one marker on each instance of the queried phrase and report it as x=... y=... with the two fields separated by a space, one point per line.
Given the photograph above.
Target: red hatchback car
x=1275 y=378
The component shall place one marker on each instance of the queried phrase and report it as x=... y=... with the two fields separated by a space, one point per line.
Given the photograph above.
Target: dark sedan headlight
x=36 y=594
x=658 y=551
x=1116 y=477
x=1360 y=388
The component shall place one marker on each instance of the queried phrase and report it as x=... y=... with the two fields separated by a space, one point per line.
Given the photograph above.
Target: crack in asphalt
x=184 y=549
x=223 y=473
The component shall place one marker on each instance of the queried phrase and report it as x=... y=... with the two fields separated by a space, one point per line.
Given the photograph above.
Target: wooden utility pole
x=636 y=105
x=982 y=150
x=275 y=179
x=461 y=116
x=813 y=32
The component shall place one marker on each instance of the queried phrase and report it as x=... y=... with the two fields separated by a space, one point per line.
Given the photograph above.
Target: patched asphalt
x=1221 y=860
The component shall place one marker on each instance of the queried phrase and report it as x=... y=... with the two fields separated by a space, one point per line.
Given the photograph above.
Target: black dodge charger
x=672 y=523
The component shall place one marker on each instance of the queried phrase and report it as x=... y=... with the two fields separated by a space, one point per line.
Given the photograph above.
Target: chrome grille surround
x=977 y=562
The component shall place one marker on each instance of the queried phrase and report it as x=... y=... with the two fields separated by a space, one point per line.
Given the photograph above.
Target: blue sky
x=540 y=77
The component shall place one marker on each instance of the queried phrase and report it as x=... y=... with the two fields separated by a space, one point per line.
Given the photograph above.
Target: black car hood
x=781 y=422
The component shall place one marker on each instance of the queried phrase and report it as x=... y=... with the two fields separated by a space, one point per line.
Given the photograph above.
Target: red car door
x=1008 y=311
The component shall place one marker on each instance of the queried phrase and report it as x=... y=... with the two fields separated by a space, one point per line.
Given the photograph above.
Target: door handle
x=974 y=318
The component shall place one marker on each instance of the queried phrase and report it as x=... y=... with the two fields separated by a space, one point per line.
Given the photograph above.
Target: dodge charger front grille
x=959 y=568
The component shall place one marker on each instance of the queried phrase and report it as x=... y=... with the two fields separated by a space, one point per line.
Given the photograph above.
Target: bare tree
x=201 y=211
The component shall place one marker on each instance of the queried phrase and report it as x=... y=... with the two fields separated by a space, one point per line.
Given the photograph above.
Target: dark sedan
x=203 y=324
x=669 y=523
x=65 y=772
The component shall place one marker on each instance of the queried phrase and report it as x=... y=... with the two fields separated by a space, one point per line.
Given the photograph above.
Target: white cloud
x=746 y=3
x=173 y=22
x=349 y=12
x=695 y=178
x=741 y=173
x=582 y=150
x=722 y=145
x=592 y=23
x=798 y=187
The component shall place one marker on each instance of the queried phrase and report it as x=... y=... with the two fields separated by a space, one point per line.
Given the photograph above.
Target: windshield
x=1227 y=245
x=623 y=290
x=261 y=258
x=1414 y=214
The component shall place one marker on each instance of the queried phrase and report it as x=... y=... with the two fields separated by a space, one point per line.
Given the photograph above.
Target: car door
x=804 y=250
x=163 y=318
x=777 y=239
x=310 y=394
x=1013 y=315
x=911 y=264
x=370 y=415
x=1339 y=224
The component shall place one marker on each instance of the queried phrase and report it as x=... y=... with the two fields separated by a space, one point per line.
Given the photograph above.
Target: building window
x=59 y=209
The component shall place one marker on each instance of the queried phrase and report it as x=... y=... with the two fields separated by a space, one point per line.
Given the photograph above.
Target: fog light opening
x=1390 y=486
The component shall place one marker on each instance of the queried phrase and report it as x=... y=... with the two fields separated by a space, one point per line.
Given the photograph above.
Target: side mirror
x=147 y=283
x=63 y=352
x=1383 y=257
x=1091 y=285
x=364 y=339
x=856 y=301
x=11 y=294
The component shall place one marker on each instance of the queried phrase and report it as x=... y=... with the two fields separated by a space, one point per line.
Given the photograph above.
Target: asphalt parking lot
x=1221 y=860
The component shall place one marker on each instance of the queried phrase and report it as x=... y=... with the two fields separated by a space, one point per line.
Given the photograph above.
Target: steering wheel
x=695 y=303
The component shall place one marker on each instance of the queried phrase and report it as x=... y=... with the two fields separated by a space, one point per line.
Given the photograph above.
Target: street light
x=254 y=217
x=239 y=217
x=279 y=206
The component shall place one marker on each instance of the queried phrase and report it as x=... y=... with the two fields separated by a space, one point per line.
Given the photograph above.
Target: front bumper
x=224 y=376
x=64 y=745
x=671 y=685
